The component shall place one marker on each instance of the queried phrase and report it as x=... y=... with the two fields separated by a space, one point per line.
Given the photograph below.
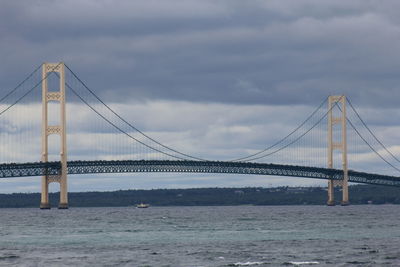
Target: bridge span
x=319 y=143
x=187 y=166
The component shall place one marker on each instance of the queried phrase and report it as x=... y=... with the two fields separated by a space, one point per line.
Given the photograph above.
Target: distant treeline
x=359 y=194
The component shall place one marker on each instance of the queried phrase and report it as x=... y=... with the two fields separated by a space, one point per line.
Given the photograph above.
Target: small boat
x=142 y=206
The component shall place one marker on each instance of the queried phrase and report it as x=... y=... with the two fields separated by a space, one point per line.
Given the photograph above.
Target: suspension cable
x=30 y=90
x=299 y=137
x=20 y=84
x=369 y=130
x=368 y=144
x=129 y=124
x=118 y=128
x=287 y=136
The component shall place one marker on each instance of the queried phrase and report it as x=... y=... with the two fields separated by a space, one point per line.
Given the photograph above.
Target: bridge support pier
x=45 y=203
x=331 y=196
x=57 y=96
x=342 y=146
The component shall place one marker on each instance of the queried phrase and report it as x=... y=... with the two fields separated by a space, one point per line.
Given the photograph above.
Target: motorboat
x=142 y=205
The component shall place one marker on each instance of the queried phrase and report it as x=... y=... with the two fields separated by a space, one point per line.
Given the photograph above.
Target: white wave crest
x=303 y=262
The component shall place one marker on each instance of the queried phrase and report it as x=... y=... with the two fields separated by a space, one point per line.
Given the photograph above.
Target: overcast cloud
x=217 y=79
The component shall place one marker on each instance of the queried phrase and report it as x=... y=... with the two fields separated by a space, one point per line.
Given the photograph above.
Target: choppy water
x=202 y=236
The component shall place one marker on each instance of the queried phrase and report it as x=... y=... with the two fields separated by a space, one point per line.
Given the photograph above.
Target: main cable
x=298 y=138
x=369 y=130
x=129 y=124
x=118 y=128
x=20 y=84
x=373 y=149
x=30 y=90
x=287 y=136
x=368 y=144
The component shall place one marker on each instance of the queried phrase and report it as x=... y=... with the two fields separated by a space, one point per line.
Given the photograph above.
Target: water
x=202 y=236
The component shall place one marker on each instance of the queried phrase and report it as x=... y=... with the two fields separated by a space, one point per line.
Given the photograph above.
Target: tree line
x=359 y=194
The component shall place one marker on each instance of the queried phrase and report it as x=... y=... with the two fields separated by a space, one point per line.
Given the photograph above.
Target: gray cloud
x=226 y=51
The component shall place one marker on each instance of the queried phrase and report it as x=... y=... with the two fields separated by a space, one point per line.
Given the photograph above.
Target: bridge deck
x=127 y=166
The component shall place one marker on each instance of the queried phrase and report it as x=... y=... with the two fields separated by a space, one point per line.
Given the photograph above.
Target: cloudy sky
x=216 y=79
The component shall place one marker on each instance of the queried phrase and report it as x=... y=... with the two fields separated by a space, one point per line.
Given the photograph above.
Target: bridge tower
x=57 y=96
x=342 y=146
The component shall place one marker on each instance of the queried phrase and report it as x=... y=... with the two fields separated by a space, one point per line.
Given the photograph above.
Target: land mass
x=359 y=194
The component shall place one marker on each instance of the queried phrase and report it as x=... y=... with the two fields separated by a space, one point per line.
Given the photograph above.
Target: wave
x=303 y=262
x=249 y=263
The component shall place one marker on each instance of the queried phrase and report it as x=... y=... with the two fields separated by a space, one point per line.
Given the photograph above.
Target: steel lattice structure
x=180 y=166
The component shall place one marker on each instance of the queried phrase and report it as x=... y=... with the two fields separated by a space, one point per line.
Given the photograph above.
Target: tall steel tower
x=57 y=95
x=342 y=146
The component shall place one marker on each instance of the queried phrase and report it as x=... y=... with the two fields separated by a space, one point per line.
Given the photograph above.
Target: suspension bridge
x=101 y=140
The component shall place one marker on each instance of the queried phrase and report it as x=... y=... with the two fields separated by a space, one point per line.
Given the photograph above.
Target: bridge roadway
x=9 y=170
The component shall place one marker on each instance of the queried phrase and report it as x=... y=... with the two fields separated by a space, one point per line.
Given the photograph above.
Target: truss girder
x=129 y=166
